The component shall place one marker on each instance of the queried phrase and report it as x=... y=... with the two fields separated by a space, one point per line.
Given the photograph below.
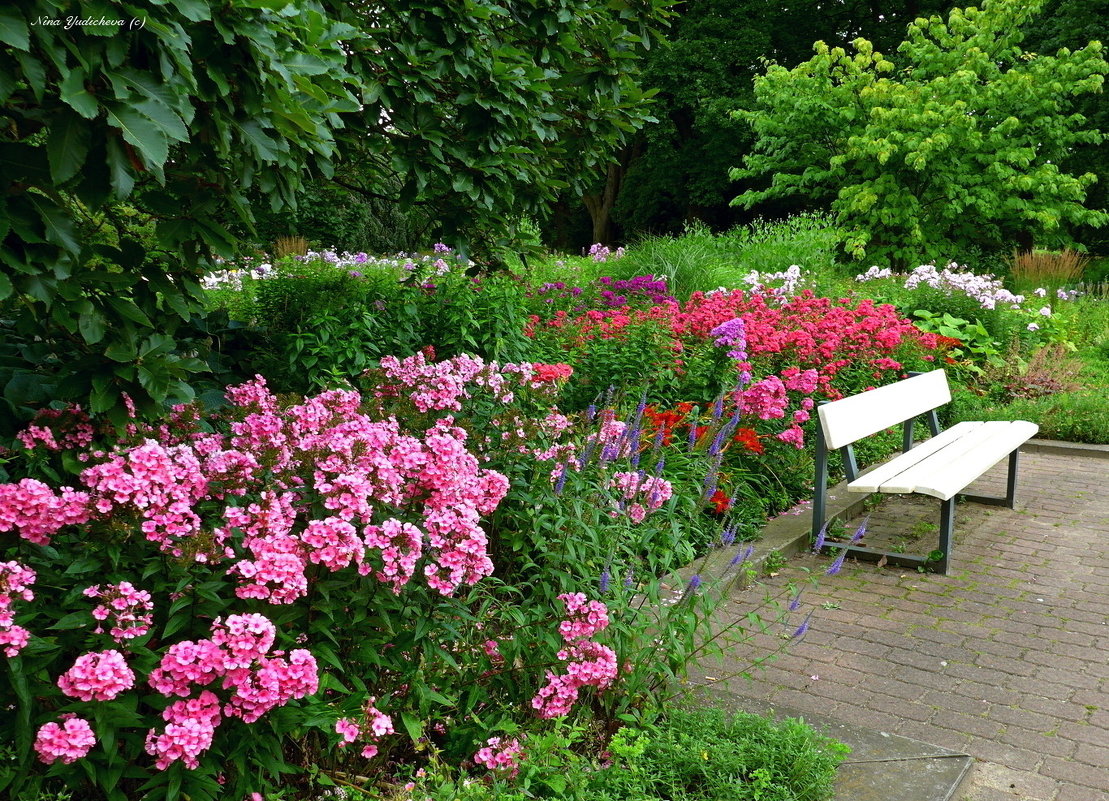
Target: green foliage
x=181 y=115
x=703 y=755
x=1080 y=416
x=678 y=167
x=483 y=109
x=481 y=315
x=708 y=755
x=193 y=113
x=978 y=345
x=954 y=141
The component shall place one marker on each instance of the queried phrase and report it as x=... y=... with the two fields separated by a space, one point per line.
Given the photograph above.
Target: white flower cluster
x=986 y=289
x=439 y=262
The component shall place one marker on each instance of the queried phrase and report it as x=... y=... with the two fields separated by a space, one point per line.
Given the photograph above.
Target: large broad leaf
x=141 y=133
x=13 y=31
x=77 y=97
x=119 y=169
x=5 y=286
x=58 y=224
x=92 y=327
x=67 y=146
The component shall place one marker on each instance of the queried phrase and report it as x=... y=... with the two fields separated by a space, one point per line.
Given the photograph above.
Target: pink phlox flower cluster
x=128 y=610
x=642 y=494
x=191 y=726
x=805 y=381
x=97 y=676
x=458 y=492
x=501 y=756
x=401 y=545
x=238 y=654
x=68 y=742
x=584 y=618
x=161 y=483
x=766 y=399
x=37 y=513
x=272 y=683
x=231 y=472
x=62 y=429
x=15 y=582
x=276 y=573
x=375 y=724
x=333 y=542
x=589 y=664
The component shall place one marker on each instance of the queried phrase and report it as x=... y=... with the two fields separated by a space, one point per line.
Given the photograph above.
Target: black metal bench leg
x=1011 y=486
x=947 y=528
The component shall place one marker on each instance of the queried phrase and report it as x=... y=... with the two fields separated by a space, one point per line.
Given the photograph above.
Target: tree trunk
x=600 y=205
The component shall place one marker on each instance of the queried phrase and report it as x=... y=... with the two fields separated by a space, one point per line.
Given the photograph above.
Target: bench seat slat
x=873 y=480
x=955 y=464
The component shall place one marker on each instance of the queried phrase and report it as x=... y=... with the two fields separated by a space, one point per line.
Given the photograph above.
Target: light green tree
x=954 y=142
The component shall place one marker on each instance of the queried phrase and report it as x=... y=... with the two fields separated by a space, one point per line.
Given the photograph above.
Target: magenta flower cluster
x=68 y=742
x=15 y=582
x=588 y=663
x=97 y=676
x=127 y=610
x=501 y=756
x=237 y=656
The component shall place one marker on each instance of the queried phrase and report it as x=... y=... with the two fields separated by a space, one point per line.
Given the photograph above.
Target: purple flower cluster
x=648 y=286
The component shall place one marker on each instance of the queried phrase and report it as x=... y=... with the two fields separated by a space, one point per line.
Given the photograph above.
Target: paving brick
x=1077 y=772
x=1020 y=621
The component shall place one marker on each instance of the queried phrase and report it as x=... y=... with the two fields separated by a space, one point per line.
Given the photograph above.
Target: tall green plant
x=954 y=141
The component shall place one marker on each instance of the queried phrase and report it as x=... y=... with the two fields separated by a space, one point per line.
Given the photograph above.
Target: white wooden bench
x=942 y=466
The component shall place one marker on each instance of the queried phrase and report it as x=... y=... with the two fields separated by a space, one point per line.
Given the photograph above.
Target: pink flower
x=97 y=676
x=68 y=742
x=502 y=757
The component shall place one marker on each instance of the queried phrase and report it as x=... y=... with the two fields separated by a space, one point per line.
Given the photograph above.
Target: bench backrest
x=850 y=419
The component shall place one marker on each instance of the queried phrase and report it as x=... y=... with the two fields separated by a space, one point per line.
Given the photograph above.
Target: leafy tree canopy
x=130 y=140
x=957 y=140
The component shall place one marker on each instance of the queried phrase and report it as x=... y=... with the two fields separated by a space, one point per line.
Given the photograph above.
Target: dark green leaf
x=92 y=327
x=13 y=31
x=142 y=133
x=66 y=146
x=76 y=96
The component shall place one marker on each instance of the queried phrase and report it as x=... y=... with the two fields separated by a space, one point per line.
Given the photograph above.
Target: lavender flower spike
x=860 y=531
x=561 y=480
x=694 y=582
x=740 y=558
x=605 y=580
x=804 y=627
x=795 y=604
x=727 y=536
x=818 y=546
x=837 y=565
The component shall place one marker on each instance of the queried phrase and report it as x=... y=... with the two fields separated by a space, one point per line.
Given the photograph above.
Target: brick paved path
x=1006 y=658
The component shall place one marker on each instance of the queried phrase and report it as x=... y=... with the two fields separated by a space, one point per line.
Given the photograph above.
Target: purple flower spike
x=803 y=627
x=727 y=536
x=821 y=535
x=561 y=480
x=740 y=558
x=860 y=531
x=836 y=565
x=605 y=580
x=694 y=582
x=795 y=604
